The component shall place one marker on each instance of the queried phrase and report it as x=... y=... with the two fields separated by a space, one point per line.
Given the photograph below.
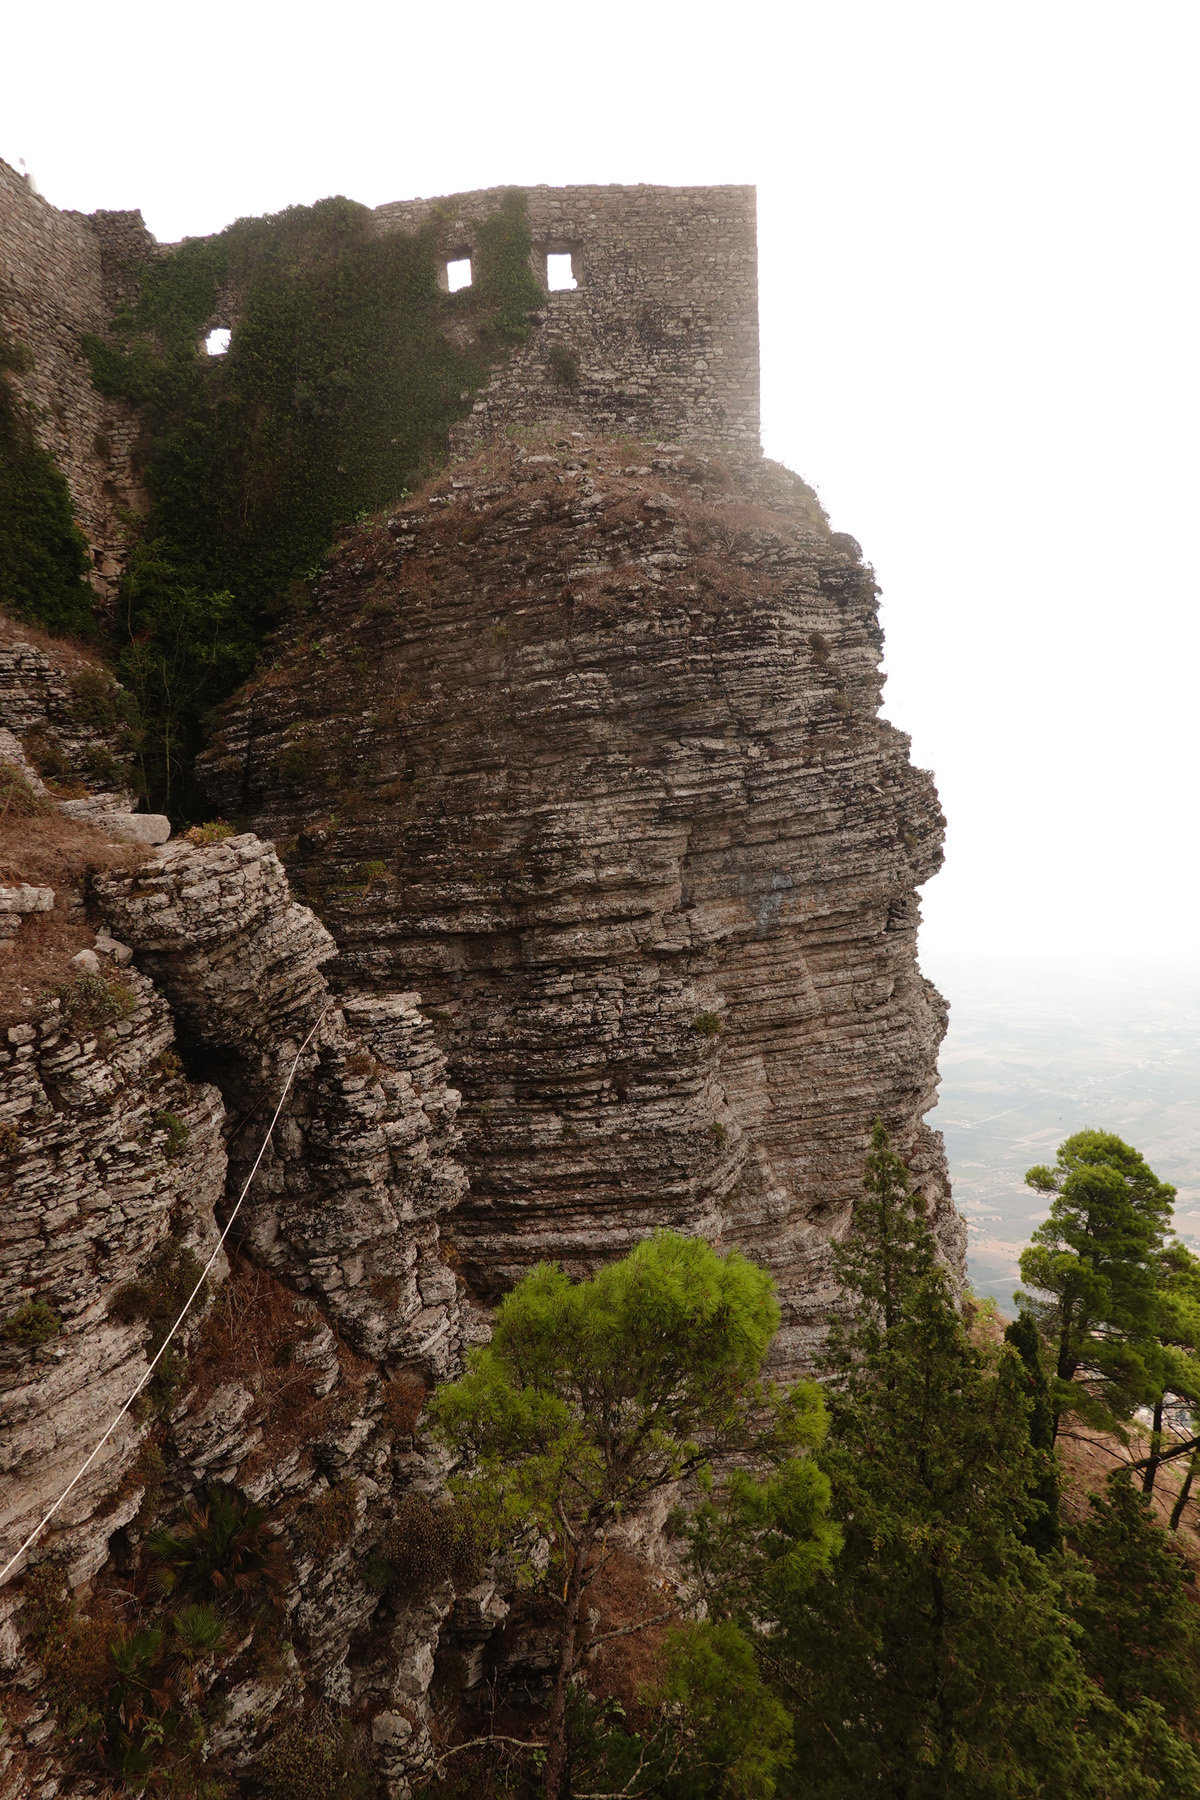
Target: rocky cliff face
x=112 y=1161
x=346 y=1202
x=581 y=808
x=133 y=1101
x=583 y=745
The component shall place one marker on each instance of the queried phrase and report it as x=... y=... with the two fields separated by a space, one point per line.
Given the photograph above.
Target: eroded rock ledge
x=127 y=1127
x=346 y=1201
x=583 y=744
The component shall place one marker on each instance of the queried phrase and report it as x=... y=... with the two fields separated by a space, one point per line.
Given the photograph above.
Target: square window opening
x=458 y=274
x=218 y=340
x=560 y=271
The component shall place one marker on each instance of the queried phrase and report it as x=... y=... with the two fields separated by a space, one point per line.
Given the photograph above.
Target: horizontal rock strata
x=583 y=745
x=346 y=1200
x=304 y=1393
x=68 y=722
x=108 y=1158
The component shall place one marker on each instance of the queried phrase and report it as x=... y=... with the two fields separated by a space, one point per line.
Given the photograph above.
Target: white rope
x=78 y=1477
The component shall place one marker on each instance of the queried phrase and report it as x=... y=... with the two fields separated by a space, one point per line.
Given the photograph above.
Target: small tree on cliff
x=593 y=1396
x=890 y=1247
x=1095 y=1261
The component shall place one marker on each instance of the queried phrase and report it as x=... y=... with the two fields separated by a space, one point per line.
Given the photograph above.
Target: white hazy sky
x=979 y=303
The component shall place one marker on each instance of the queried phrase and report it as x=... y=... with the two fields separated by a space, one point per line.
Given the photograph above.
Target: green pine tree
x=1141 y=1623
x=1043 y=1533
x=938 y=1655
x=593 y=1397
x=1093 y=1264
x=1174 y=1366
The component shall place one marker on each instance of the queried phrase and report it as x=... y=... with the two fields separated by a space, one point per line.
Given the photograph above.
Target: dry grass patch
x=252 y=1334
x=46 y=849
x=70 y=654
x=1089 y=1457
x=624 y=1593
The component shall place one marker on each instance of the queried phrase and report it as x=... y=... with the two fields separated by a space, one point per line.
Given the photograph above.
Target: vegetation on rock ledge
x=346 y=369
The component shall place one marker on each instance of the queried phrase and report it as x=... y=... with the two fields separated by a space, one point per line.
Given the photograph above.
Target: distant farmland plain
x=1037 y=1050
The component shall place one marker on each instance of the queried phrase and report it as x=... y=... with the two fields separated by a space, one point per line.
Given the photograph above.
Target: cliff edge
x=582 y=744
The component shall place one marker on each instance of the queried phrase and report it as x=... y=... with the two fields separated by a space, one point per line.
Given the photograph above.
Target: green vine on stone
x=337 y=393
x=44 y=558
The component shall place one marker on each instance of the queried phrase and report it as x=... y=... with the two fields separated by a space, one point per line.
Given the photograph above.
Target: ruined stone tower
x=658 y=336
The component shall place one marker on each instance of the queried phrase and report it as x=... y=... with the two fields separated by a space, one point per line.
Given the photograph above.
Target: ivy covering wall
x=43 y=555
x=347 y=367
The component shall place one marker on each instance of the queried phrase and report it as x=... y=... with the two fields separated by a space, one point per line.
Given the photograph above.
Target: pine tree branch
x=626 y=1630
x=1163 y=1456
x=491 y=1738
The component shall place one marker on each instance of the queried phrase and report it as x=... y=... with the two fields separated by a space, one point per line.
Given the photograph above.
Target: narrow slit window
x=458 y=274
x=560 y=271
x=217 y=342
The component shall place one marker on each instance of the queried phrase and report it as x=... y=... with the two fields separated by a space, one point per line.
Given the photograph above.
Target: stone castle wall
x=60 y=274
x=659 y=338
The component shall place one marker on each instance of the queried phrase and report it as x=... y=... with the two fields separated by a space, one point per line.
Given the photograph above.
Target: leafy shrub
x=98 y=700
x=44 y=558
x=73 y=1651
x=299 y=759
x=137 y=1724
x=707 y=1024
x=17 y=797
x=90 y=1002
x=48 y=756
x=313 y=1760
x=158 y=1296
x=563 y=367
x=128 y=1697
x=226 y=1552
x=32 y=1323
x=210 y=833
x=15 y=357
x=103 y=768
x=10 y=1138
x=47 y=1599
x=177 y=1132
x=329 y=1521
x=426 y=1545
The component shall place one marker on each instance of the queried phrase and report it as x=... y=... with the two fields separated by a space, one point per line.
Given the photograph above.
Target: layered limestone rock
x=67 y=713
x=302 y=1392
x=583 y=744
x=110 y=1163
x=347 y=1198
